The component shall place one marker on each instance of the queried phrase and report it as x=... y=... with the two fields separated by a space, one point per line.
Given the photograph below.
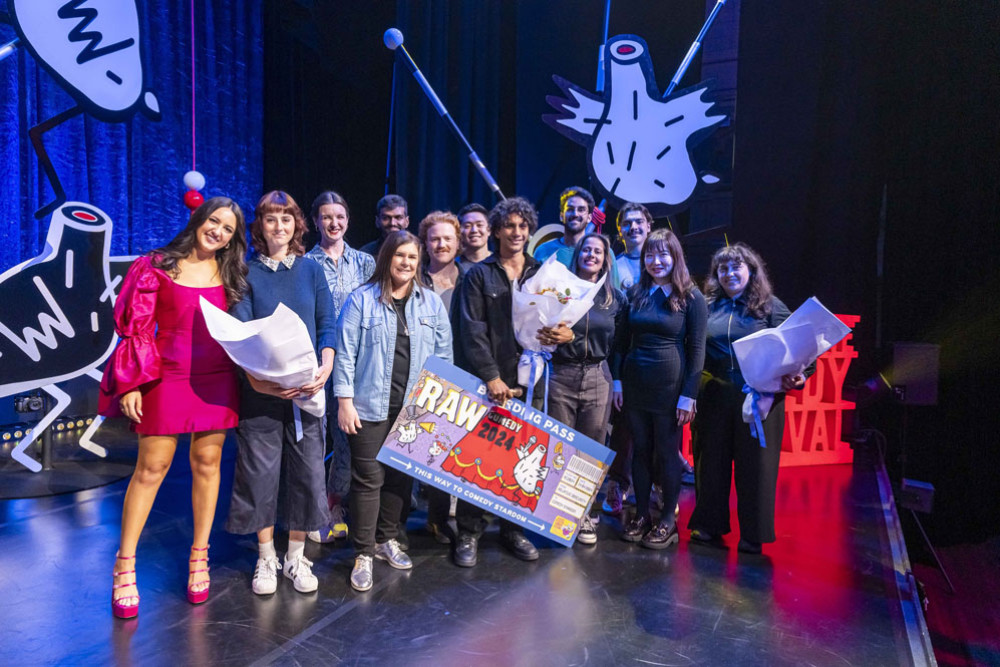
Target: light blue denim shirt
x=352 y=270
x=366 y=340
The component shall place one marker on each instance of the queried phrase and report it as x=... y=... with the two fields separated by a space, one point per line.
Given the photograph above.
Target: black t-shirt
x=400 y=360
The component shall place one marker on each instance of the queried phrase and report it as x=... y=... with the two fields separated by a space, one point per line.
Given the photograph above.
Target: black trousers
x=380 y=495
x=723 y=446
x=655 y=439
x=471 y=519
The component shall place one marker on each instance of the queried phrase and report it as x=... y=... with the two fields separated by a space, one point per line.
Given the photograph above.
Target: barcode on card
x=584 y=468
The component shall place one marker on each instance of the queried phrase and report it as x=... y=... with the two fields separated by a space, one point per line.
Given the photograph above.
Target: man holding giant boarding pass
x=464 y=434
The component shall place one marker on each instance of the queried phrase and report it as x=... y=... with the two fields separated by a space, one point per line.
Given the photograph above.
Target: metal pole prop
x=8 y=49
x=393 y=39
x=694 y=48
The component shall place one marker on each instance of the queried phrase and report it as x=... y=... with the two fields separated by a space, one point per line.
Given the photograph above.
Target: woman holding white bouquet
x=664 y=346
x=580 y=385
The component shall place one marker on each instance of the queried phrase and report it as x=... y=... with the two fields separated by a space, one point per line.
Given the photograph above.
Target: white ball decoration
x=194 y=180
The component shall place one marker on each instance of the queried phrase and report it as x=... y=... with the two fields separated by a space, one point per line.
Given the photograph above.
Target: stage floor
x=824 y=594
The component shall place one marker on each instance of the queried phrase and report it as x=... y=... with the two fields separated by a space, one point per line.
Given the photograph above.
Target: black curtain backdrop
x=837 y=104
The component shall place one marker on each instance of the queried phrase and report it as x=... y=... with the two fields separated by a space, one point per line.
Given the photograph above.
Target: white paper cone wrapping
x=275 y=348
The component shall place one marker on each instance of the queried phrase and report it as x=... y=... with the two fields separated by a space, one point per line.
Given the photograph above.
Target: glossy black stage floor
x=826 y=593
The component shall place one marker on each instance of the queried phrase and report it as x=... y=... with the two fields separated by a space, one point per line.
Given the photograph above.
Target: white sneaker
x=361 y=576
x=393 y=555
x=587 y=534
x=299 y=570
x=265 y=577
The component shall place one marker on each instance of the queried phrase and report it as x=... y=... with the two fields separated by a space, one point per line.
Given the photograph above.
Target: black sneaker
x=636 y=528
x=748 y=547
x=465 y=550
x=518 y=544
x=660 y=537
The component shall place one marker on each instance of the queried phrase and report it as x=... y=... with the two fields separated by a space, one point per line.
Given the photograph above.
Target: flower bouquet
x=553 y=295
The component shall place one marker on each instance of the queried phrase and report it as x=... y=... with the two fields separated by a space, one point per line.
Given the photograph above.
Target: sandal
x=126 y=606
x=198 y=596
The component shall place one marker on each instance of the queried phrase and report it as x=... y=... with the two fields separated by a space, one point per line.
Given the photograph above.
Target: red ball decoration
x=193 y=199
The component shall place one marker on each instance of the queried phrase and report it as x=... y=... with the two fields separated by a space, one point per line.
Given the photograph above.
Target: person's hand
x=556 y=335
x=498 y=391
x=684 y=416
x=131 y=405
x=322 y=374
x=347 y=416
x=617 y=400
x=796 y=381
x=272 y=388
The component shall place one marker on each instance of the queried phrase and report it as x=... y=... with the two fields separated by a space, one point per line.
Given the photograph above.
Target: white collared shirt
x=273 y=263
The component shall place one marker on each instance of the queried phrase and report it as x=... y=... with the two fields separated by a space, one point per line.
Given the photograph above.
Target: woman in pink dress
x=169 y=377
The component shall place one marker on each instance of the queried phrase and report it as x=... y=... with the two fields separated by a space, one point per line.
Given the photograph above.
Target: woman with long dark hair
x=581 y=384
x=280 y=445
x=664 y=348
x=169 y=377
x=740 y=302
x=393 y=323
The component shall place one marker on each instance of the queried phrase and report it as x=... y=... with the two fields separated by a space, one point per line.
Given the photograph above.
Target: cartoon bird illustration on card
x=638 y=145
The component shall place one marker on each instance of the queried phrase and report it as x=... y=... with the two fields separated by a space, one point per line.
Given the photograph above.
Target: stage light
x=18 y=434
x=90 y=420
x=79 y=423
x=6 y=435
x=60 y=426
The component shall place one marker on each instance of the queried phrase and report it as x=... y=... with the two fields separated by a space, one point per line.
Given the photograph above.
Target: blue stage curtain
x=133 y=170
x=458 y=46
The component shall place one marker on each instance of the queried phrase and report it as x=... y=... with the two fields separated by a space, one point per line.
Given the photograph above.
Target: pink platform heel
x=126 y=606
x=197 y=597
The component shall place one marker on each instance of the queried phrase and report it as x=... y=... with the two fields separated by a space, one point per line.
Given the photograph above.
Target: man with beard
x=576 y=208
x=391 y=215
x=475 y=226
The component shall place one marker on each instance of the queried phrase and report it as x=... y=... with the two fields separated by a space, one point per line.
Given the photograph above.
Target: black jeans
x=380 y=495
x=655 y=439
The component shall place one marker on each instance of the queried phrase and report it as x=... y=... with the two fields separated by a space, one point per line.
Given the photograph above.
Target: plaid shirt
x=353 y=270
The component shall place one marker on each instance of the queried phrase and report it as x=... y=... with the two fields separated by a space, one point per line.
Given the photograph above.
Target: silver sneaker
x=587 y=534
x=361 y=576
x=299 y=570
x=265 y=577
x=393 y=555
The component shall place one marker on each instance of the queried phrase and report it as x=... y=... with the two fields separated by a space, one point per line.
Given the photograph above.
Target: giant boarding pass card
x=514 y=461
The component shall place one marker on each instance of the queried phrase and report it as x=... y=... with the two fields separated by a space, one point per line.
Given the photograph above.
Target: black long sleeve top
x=664 y=352
x=728 y=321
x=482 y=324
x=595 y=335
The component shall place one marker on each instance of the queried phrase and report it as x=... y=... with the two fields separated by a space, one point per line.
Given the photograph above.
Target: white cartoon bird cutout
x=638 y=144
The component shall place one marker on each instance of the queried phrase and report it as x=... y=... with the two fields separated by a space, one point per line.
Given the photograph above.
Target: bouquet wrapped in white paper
x=553 y=295
x=275 y=348
x=770 y=354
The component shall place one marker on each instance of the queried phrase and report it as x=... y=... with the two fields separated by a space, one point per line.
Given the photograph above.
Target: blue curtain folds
x=133 y=170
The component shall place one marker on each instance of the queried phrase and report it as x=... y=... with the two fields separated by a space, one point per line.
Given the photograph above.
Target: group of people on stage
x=653 y=353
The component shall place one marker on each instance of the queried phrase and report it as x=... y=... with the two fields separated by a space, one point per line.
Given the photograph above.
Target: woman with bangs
x=582 y=384
x=740 y=302
x=664 y=348
x=168 y=377
x=278 y=443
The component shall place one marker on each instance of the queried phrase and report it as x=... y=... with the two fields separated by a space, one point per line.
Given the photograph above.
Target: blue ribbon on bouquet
x=757 y=426
x=533 y=379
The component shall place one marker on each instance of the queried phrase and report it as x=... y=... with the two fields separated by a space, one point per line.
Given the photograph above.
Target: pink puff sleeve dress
x=188 y=383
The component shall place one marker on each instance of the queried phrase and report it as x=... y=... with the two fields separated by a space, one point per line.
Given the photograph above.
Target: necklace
x=401 y=317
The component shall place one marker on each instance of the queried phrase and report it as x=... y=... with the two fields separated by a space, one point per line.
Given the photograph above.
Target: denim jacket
x=362 y=368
